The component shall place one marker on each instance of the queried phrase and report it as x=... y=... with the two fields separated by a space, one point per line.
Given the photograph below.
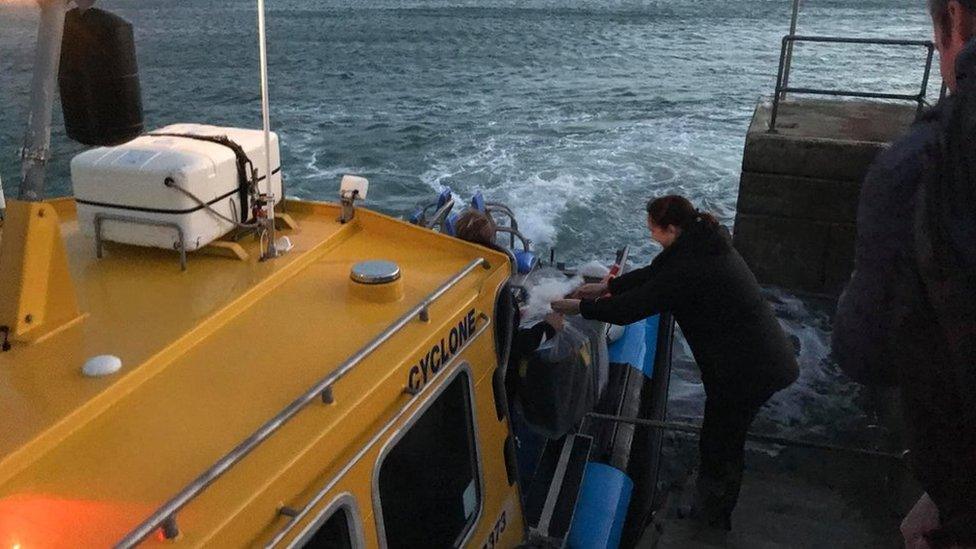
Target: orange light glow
x=41 y=520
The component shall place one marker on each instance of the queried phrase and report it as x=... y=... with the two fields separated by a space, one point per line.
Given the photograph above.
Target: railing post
x=789 y=49
x=925 y=79
x=779 y=83
x=170 y=528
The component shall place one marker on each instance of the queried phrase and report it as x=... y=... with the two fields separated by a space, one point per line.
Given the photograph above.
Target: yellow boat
x=209 y=355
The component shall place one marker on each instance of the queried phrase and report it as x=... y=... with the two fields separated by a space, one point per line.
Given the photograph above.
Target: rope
x=789 y=442
x=169 y=182
x=246 y=173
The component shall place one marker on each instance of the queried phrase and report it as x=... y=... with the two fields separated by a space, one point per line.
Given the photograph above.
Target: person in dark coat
x=908 y=315
x=742 y=351
x=515 y=344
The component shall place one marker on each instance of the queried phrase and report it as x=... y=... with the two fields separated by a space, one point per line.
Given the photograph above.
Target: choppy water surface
x=572 y=111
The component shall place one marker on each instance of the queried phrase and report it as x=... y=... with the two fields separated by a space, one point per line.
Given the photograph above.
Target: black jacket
x=737 y=341
x=521 y=342
x=527 y=340
x=887 y=329
x=878 y=296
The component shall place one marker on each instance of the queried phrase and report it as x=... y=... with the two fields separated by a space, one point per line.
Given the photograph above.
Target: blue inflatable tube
x=637 y=347
x=601 y=509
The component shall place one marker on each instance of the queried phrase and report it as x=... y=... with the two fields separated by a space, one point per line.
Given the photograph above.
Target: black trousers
x=728 y=415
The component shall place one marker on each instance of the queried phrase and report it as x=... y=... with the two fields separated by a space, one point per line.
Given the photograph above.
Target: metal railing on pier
x=786 y=64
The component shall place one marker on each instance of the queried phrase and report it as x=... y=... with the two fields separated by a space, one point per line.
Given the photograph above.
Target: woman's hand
x=566 y=306
x=923 y=518
x=592 y=290
x=556 y=320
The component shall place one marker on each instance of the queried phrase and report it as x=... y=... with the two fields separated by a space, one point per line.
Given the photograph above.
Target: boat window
x=428 y=483
x=334 y=533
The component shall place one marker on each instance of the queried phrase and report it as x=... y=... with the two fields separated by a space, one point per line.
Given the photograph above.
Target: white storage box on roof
x=126 y=186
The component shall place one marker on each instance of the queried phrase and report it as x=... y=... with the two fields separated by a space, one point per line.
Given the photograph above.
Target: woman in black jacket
x=742 y=351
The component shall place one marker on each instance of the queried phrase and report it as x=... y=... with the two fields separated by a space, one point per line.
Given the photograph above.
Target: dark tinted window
x=428 y=483
x=333 y=534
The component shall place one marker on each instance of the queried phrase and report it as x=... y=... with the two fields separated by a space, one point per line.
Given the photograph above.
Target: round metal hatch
x=376 y=271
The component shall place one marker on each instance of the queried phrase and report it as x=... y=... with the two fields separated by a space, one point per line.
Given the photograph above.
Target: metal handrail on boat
x=440 y=215
x=295 y=515
x=165 y=516
x=498 y=207
x=101 y=218
x=785 y=61
x=526 y=243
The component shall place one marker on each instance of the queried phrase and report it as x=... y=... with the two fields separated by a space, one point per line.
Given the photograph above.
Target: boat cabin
x=367 y=407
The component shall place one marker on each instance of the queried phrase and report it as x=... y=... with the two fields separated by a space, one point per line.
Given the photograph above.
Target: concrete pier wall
x=798 y=194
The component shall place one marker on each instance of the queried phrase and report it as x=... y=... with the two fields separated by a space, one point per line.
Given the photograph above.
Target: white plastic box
x=126 y=186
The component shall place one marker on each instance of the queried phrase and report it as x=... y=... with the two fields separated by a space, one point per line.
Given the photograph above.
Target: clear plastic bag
x=542 y=287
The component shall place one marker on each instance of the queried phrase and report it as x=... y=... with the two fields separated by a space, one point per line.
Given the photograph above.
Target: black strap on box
x=244 y=164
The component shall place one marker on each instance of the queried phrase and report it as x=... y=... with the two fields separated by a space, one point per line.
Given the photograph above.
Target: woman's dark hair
x=677 y=210
x=477 y=227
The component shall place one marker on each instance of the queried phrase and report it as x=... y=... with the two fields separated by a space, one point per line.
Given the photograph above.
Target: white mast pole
x=266 y=119
x=3 y=202
x=37 y=141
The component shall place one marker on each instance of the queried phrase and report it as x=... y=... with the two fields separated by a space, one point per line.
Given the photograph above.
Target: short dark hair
x=939 y=9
